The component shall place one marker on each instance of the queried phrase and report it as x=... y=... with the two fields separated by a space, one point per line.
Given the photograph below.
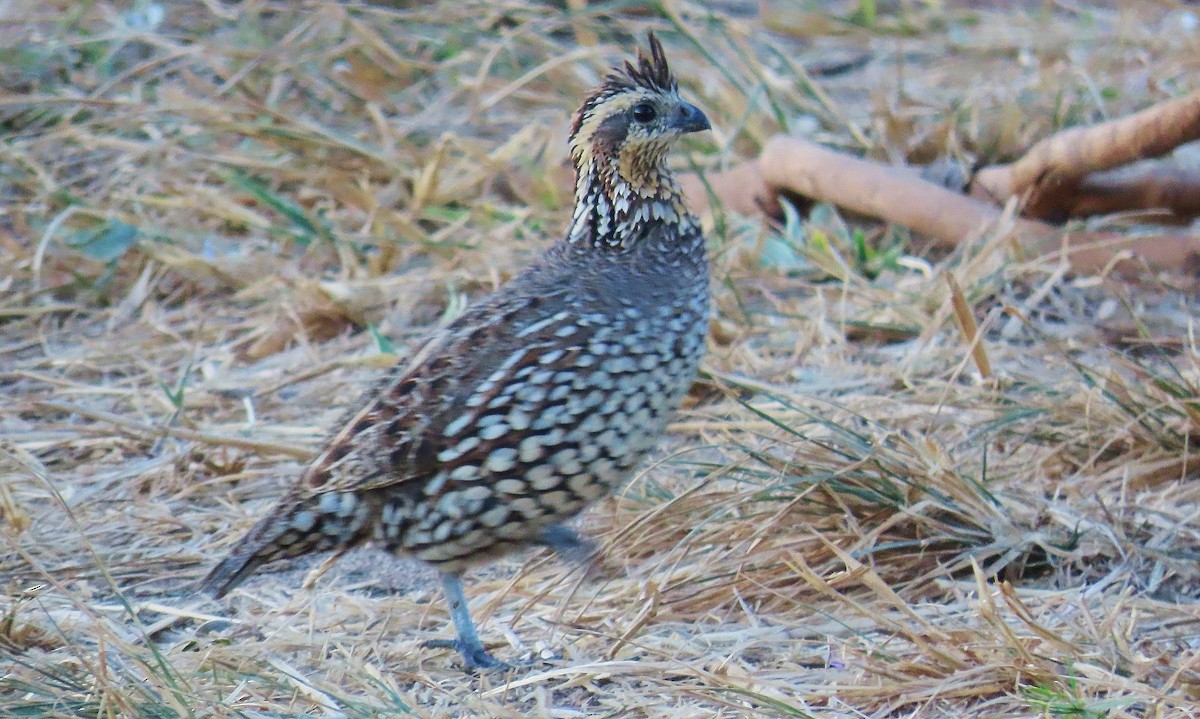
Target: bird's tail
x=296 y=526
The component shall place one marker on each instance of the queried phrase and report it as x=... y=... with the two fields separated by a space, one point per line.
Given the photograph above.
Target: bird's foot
x=474 y=655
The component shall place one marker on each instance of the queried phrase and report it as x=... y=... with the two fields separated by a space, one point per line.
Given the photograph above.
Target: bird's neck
x=617 y=198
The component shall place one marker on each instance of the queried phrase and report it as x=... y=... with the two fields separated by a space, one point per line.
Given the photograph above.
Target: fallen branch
x=1171 y=192
x=740 y=189
x=889 y=193
x=1076 y=152
x=898 y=195
x=1050 y=174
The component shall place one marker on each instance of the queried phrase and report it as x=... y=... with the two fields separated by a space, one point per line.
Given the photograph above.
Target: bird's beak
x=689 y=118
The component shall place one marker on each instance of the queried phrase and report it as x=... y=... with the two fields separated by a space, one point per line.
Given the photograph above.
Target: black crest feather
x=650 y=73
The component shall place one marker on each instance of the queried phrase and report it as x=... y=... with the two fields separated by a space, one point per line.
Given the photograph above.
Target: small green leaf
x=174 y=395
x=382 y=343
x=105 y=242
x=865 y=15
x=819 y=241
x=308 y=227
x=443 y=214
x=779 y=254
x=863 y=251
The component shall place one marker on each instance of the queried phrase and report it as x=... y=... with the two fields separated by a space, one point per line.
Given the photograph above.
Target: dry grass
x=219 y=219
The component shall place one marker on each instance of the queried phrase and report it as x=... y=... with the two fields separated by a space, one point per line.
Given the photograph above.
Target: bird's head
x=636 y=114
x=621 y=135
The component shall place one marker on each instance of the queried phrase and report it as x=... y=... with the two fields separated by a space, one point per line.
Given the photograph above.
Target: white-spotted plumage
x=538 y=399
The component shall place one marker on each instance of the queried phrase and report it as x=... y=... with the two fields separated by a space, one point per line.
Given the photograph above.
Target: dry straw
x=907 y=485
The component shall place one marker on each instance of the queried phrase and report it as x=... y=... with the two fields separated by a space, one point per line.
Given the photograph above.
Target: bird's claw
x=474 y=655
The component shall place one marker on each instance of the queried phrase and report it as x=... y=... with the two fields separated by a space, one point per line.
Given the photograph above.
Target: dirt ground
x=220 y=221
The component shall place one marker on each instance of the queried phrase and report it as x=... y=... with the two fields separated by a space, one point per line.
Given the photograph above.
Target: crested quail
x=539 y=398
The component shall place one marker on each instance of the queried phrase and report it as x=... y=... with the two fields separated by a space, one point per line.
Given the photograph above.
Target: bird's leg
x=467 y=643
x=566 y=543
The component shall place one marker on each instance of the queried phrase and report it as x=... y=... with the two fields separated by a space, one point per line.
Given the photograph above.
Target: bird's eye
x=644 y=112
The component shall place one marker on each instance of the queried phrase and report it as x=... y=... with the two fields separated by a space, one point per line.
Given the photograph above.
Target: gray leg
x=566 y=543
x=467 y=644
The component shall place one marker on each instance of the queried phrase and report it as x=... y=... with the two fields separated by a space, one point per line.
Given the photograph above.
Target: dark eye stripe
x=612 y=131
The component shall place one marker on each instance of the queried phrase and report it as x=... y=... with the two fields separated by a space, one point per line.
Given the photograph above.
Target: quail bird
x=537 y=399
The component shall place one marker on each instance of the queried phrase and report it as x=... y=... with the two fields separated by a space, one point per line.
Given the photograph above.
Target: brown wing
x=400 y=435
x=410 y=427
